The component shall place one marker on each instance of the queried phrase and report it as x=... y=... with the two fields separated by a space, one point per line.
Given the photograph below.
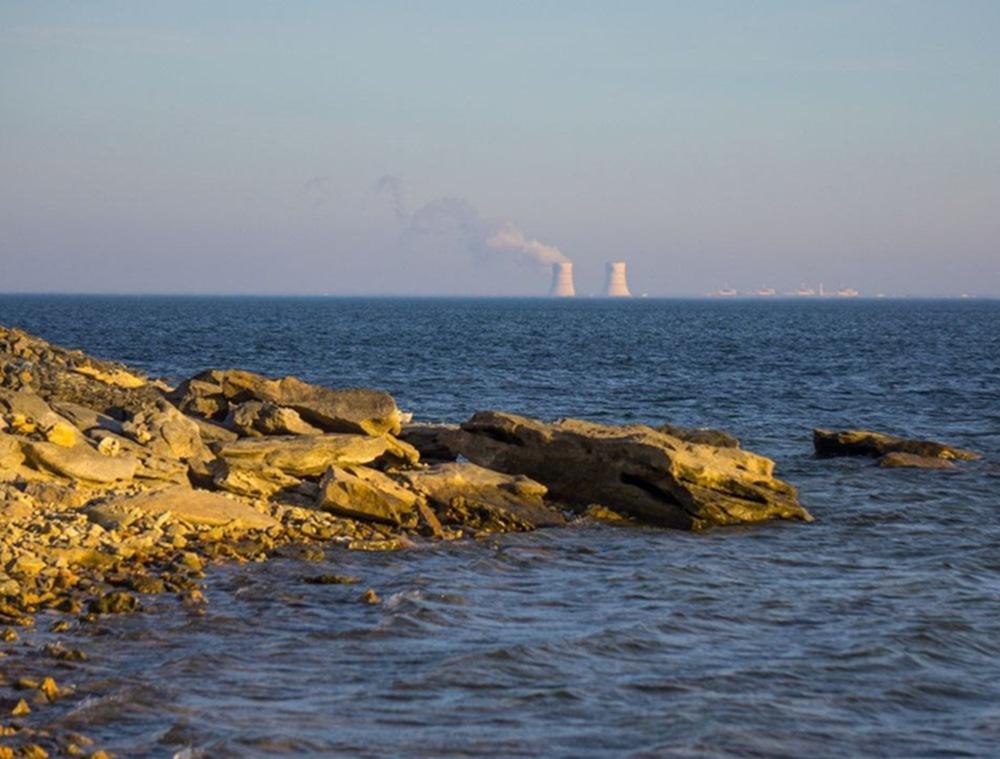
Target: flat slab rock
x=633 y=469
x=868 y=443
x=198 y=507
x=897 y=460
x=312 y=455
x=81 y=462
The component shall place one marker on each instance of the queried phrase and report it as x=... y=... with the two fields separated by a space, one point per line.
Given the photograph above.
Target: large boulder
x=867 y=443
x=211 y=393
x=363 y=493
x=467 y=494
x=81 y=462
x=166 y=432
x=311 y=455
x=196 y=507
x=257 y=418
x=430 y=440
x=633 y=469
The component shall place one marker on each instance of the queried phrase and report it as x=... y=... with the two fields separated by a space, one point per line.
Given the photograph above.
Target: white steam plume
x=510 y=237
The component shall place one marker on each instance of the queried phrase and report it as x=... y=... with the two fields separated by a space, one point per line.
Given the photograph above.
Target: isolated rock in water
x=468 y=494
x=166 y=432
x=256 y=418
x=211 y=392
x=897 y=460
x=868 y=443
x=81 y=462
x=632 y=469
x=196 y=507
x=700 y=435
x=429 y=440
x=363 y=493
x=305 y=455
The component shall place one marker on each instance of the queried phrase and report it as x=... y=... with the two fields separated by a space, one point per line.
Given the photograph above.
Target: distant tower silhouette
x=562 y=280
x=616 y=285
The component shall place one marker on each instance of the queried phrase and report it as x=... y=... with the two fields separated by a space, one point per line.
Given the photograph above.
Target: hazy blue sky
x=239 y=146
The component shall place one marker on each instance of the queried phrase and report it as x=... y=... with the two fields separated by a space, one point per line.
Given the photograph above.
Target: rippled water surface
x=875 y=630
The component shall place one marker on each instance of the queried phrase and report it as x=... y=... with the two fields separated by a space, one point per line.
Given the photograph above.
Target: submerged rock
x=898 y=460
x=867 y=443
x=633 y=469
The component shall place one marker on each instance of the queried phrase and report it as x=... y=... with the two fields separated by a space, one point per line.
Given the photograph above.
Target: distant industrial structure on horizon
x=770 y=292
x=615 y=283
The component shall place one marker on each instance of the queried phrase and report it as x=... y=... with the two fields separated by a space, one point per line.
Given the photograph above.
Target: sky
x=459 y=148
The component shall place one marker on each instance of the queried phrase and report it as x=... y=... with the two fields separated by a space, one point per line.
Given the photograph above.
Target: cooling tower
x=616 y=285
x=562 y=280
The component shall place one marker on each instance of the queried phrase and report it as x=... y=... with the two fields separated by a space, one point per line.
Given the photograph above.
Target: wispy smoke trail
x=458 y=219
x=392 y=188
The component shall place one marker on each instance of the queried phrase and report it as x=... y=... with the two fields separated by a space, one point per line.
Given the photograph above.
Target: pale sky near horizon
x=383 y=147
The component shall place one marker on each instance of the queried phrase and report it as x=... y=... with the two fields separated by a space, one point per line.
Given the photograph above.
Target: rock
x=213 y=433
x=427 y=439
x=62 y=433
x=113 y=376
x=632 y=469
x=261 y=482
x=81 y=462
x=197 y=507
x=700 y=435
x=866 y=443
x=11 y=456
x=310 y=455
x=24 y=403
x=364 y=411
x=166 y=432
x=897 y=460
x=255 y=418
x=331 y=580
x=371 y=597
x=85 y=419
x=115 y=602
x=59 y=375
x=468 y=494
x=363 y=493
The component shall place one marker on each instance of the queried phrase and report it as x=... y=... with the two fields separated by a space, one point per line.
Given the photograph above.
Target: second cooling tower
x=616 y=285
x=562 y=280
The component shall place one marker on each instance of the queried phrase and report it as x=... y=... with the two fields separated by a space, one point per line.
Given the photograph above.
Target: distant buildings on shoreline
x=770 y=292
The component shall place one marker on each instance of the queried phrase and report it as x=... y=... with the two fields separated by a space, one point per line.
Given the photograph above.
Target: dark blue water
x=875 y=630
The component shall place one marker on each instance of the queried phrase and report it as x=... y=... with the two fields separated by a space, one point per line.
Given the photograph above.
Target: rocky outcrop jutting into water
x=113 y=486
x=635 y=469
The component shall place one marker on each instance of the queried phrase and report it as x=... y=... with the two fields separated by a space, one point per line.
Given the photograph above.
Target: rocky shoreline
x=114 y=486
